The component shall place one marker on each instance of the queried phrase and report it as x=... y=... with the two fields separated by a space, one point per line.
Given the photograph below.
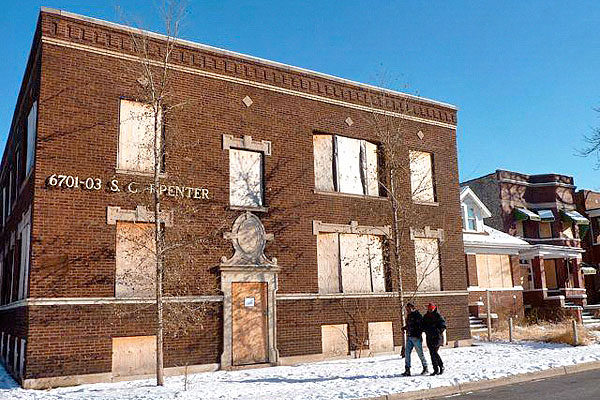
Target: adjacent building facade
x=278 y=167
x=541 y=210
x=492 y=259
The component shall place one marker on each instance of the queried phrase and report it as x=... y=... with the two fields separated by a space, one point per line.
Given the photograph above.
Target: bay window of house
x=422 y=183
x=350 y=263
x=136 y=137
x=135 y=274
x=427 y=263
x=345 y=165
x=31 y=137
x=246 y=178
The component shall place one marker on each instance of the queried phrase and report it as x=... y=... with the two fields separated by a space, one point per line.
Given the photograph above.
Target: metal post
x=510 y=329
x=575 y=333
x=489 y=315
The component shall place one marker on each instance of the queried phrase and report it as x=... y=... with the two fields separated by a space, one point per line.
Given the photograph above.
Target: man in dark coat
x=414 y=338
x=434 y=326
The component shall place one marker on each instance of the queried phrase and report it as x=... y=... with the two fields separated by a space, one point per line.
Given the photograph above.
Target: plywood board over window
x=134 y=355
x=493 y=271
x=135 y=260
x=334 y=340
x=421 y=176
x=545 y=230
x=245 y=178
x=427 y=260
x=328 y=262
x=349 y=165
x=136 y=136
x=361 y=262
x=381 y=337
x=323 y=153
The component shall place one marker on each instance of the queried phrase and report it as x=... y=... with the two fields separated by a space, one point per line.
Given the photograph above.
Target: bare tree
x=592 y=140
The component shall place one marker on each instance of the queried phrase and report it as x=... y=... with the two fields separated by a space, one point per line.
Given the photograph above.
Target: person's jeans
x=417 y=343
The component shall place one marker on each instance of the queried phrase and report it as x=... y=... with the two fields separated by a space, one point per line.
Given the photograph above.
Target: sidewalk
x=375 y=377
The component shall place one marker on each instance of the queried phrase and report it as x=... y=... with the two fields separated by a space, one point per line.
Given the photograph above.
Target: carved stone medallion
x=249 y=239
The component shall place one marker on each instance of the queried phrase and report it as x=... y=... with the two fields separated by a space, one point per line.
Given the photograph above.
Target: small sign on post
x=575 y=333
x=510 y=329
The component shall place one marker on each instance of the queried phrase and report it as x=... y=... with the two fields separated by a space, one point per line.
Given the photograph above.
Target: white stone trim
x=59 y=301
x=538 y=184
x=140 y=214
x=317 y=296
x=246 y=143
x=427 y=232
x=352 y=227
x=63 y=43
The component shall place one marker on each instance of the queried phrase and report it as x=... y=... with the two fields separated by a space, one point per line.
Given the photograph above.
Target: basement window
x=345 y=165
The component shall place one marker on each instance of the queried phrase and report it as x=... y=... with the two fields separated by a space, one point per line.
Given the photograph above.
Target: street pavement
x=578 y=386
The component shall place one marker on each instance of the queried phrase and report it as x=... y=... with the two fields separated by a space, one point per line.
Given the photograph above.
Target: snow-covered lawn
x=344 y=379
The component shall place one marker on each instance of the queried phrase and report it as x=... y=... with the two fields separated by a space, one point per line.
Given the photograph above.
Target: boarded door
x=135 y=355
x=550 y=270
x=249 y=319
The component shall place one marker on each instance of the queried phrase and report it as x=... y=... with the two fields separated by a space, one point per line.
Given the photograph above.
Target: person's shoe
x=406 y=372
x=435 y=371
x=441 y=371
x=425 y=371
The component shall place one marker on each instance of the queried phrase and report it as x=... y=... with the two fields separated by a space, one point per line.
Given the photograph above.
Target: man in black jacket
x=414 y=334
x=434 y=326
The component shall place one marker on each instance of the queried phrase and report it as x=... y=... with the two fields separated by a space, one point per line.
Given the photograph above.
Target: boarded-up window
x=381 y=337
x=345 y=165
x=427 y=261
x=31 y=137
x=135 y=260
x=136 y=136
x=421 y=176
x=550 y=272
x=245 y=178
x=493 y=271
x=328 y=262
x=323 y=149
x=24 y=270
x=135 y=355
x=361 y=262
x=334 y=339
x=358 y=259
x=545 y=230
x=519 y=225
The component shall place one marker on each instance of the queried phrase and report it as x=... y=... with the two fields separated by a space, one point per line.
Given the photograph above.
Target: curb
x=462 y=388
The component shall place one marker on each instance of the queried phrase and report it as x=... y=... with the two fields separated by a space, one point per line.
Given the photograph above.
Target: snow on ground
x=343 y=379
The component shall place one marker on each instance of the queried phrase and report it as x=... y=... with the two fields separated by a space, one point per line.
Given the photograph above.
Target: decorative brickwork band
x=353 y=227
x=246 y=143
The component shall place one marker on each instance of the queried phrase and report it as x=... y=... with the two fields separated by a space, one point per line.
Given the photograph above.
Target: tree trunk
x=396 y=254
x=160 y=379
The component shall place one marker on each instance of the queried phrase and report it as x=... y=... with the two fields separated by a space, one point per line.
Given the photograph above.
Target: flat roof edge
x=245 y=56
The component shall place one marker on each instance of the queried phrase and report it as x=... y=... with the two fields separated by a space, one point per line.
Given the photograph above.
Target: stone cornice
x=117 y=38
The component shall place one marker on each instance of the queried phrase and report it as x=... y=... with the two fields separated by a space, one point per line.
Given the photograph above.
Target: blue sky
x=524 y=74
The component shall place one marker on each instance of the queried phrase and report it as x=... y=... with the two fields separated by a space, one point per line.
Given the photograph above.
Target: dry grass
x=559 y=332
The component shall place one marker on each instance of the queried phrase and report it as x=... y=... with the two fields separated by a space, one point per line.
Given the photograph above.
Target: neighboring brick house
x=492 y=258
x=588 y=204
x=74 y=161
x=540 y=209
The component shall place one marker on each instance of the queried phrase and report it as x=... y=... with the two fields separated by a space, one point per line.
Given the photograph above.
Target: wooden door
x=249 y=319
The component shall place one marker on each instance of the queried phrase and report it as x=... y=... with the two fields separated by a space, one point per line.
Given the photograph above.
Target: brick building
x=540 y=209
x=588 y=204
x=255 y=154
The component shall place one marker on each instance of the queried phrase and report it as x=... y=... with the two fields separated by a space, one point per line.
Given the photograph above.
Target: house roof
x=467 y=192
x=493 y=238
